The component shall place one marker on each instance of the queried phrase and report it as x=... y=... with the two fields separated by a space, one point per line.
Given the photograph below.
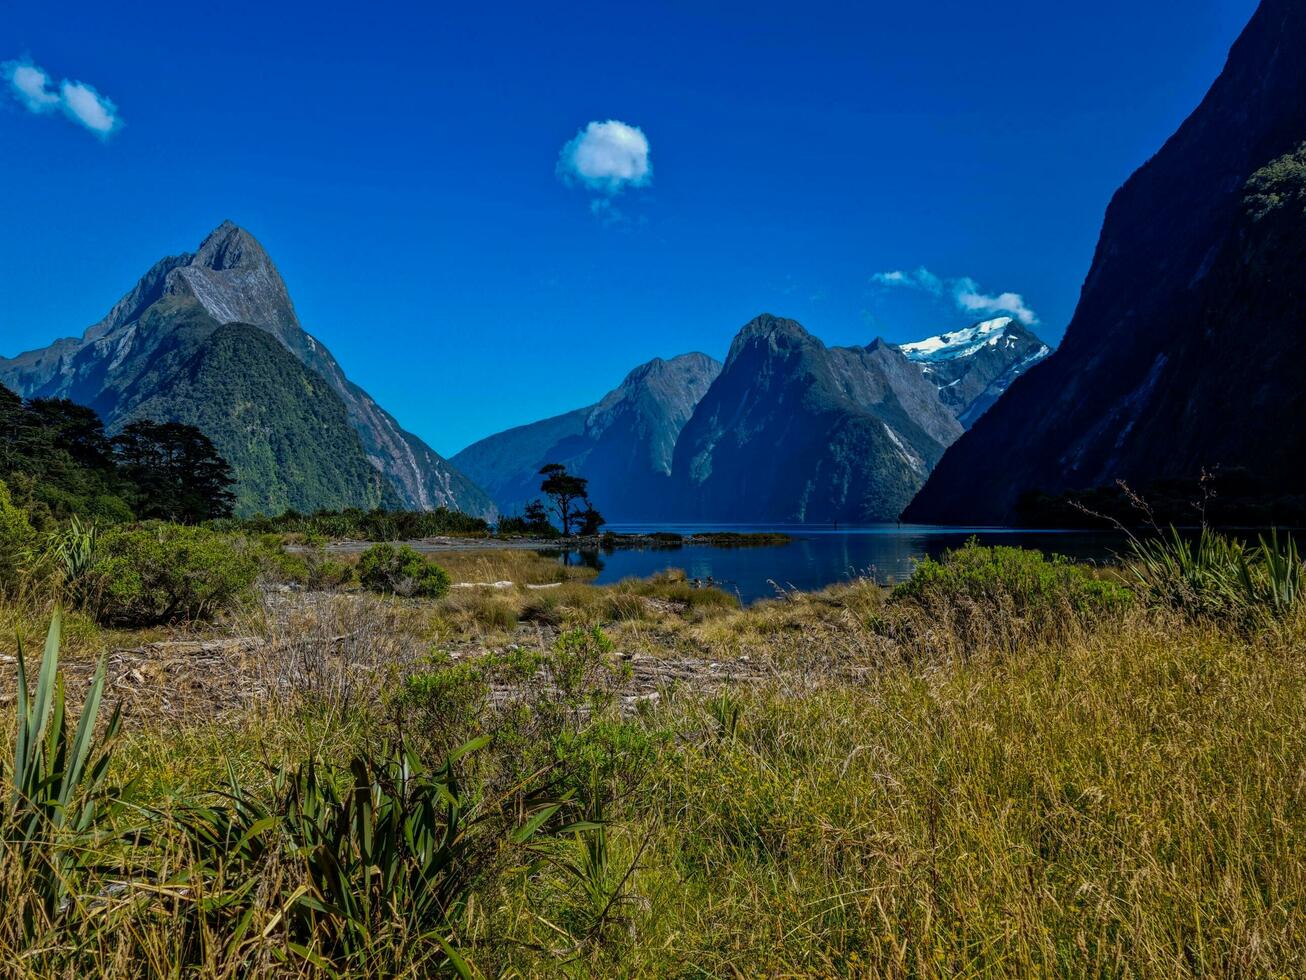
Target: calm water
x=818 y=557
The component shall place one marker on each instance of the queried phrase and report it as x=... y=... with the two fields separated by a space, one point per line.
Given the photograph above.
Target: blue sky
x=405 y=167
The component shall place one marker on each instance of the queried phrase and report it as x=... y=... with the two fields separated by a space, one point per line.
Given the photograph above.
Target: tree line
x=58 y=461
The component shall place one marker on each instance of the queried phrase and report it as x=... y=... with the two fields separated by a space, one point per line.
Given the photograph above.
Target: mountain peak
x=234 y=279
x=777 y=332
x=674 y=369
x=961 y=343
x=229 y=246
x=767 y=325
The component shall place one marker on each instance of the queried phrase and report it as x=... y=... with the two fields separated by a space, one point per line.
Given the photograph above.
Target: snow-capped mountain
x=971 y=367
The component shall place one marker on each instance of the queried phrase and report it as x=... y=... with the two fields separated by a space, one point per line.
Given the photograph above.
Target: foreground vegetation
x=1006 y=766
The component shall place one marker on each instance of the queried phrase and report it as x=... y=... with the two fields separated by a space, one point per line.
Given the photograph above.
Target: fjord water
x=818 y=556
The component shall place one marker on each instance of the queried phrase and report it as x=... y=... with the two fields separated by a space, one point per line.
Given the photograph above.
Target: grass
x=1003 y=769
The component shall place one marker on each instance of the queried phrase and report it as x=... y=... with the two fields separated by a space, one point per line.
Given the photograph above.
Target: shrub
x=55 y=797
x=361 y=525
x=310 y=566
x=401 y=571
x=163 y=573
x=1026 y=580
x=1215 y=575
x=389 y=852
x=16 y=537
x=583 y=673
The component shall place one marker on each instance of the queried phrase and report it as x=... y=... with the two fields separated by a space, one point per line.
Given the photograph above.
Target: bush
x=16 y=538
x=388 y=854
x=401 y=571
x=54 y=799
x=1023 y=581
x=164 y=573
x=1218 y=576
x=310 y=566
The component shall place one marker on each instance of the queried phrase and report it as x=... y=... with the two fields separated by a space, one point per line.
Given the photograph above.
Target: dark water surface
x=820 y=556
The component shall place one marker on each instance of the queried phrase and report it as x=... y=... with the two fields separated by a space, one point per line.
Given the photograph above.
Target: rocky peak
x=660 y=396
x=229 y=246
x=235 y=281
x=678 y=367
x=777 y=333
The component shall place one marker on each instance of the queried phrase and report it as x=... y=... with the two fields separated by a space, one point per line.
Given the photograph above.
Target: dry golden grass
x=974 y=788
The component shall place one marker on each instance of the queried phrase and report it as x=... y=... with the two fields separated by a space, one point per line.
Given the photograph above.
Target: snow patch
x=957 y=343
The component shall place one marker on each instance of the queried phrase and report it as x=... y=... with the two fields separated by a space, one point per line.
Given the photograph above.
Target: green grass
x=1007 y=768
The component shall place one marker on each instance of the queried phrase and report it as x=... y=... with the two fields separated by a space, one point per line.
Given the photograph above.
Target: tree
x=177 y=473
x=74 y=428
x=591 y=521
x=13 y=427
x=536 y=517
x=533 y=521
x=57 y=460
x=565 y=490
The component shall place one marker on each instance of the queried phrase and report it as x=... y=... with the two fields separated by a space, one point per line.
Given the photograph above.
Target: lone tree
x=566 y=491
x=178 y=474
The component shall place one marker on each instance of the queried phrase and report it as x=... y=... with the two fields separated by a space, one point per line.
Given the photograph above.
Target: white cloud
x=921 y=278
x=965 y=292
x=607 y=157
x=82 y=103
x=32 y=86
x=85 y=105
x=970 y=298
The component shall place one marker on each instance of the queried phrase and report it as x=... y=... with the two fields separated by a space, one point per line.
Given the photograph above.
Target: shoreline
x=597 y=542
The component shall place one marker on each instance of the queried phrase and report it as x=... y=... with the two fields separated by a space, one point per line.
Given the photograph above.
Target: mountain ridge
x=873 y=400
x=1154 y=380
x=233 y=280
x=622 y=443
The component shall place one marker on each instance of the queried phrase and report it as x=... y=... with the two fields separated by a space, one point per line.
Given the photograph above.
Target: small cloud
x=82 y=103
x=921 y=278
x=85 y=105
x=965 y=292
x=606 y=157
x=970 y=298
x=32 y=86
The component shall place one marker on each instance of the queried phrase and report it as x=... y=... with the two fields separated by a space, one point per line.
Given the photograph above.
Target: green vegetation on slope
x=282 y=428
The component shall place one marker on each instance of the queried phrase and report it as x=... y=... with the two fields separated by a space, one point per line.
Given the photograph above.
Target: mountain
x=623 y=444
x=1186 y=348
x=302 y=433
x=792 y=430
x=972 y=367
x=788 y=430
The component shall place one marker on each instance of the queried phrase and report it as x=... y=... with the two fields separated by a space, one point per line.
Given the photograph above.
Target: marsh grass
x=1004 y=770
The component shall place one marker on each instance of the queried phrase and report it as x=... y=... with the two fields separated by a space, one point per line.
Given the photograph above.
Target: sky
x=491 y=212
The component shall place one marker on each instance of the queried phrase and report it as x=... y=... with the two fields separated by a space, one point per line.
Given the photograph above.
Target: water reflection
x=817 y=557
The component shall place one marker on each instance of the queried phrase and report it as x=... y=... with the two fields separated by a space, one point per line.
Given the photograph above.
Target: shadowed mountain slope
x=1185 y=351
